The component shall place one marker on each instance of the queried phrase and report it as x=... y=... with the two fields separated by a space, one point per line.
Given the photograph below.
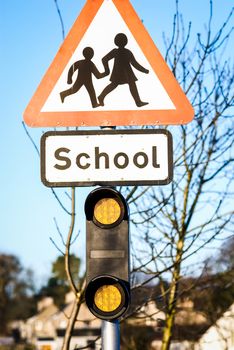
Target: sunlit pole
x=110 y=335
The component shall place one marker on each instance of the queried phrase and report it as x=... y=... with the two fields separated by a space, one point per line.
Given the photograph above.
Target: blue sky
x=30 y=35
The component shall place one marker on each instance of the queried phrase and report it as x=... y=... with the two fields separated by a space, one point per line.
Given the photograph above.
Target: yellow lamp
x=107 y=211
x=107 y=298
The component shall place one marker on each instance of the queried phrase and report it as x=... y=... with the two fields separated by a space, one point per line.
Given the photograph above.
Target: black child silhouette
x=85 y=70
x=122 y=72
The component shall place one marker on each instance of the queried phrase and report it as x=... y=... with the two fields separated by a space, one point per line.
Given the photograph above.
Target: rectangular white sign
x=106 y=157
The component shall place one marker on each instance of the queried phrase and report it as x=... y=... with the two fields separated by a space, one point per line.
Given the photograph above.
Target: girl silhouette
x=122 y=72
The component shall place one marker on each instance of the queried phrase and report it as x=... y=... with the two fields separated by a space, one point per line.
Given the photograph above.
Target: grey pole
x=110 y=329
x=110 y=335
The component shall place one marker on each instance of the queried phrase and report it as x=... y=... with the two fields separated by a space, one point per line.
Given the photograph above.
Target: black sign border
x=107 y=183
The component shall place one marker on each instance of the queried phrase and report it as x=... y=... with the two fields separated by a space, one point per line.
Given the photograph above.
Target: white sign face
x=110 y=157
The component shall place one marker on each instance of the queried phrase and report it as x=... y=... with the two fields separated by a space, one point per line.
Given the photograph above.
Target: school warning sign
x=108 y=72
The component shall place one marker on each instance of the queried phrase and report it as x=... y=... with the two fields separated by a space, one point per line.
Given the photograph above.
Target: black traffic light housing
x=107 y=253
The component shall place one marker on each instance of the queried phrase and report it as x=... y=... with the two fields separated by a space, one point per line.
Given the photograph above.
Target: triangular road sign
x=108 y=72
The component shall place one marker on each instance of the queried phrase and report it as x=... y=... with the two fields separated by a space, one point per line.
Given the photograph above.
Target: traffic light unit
x=107 y=253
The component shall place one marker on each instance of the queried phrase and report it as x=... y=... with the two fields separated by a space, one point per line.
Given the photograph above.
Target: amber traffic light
x=107 y=253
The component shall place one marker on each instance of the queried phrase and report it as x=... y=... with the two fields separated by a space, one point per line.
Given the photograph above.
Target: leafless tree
x=173 y=223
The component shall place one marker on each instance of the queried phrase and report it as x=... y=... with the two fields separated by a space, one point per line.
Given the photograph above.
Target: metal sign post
x=110 y=335
x=110 y=329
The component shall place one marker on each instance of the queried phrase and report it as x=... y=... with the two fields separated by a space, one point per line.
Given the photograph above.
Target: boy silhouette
x=85 y=69
x=122 y=72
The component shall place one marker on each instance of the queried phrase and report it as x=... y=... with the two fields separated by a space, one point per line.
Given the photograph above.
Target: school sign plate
x=123 y=157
